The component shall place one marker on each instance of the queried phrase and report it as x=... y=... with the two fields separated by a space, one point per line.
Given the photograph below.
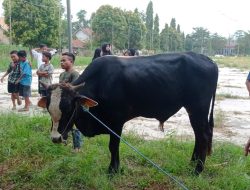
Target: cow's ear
x=42 y=102
x=87 y=102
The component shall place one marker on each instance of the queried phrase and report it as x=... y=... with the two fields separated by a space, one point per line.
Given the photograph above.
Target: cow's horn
x=44 y=84
x=53 y=86
x=78 y=86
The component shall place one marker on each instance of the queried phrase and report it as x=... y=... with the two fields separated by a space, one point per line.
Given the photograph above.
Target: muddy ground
x=232 y=111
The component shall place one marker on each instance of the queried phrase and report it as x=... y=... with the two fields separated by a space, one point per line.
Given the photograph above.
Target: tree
x=33 y=23
x=81 y=16
x=164 y=39
x=217 y=44
x=149 y=25
x=247 y=43
x=156 y=36
x=200 y=38
x=241 y=40
x=175 y=37
x=173 y=23
x=188 y=43
x=109 y=25
x=81 y=22
x=136 y=30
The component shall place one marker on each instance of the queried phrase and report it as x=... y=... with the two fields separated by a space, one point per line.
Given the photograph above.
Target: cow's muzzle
x=58 y=140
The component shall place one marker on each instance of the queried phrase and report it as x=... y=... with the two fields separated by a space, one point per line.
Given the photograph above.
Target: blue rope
x=138 y=152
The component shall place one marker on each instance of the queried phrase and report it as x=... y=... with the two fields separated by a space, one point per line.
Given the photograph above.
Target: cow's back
x=150 y=85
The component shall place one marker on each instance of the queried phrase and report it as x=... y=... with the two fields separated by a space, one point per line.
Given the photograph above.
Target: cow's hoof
x=199 y=168
x=112 y=170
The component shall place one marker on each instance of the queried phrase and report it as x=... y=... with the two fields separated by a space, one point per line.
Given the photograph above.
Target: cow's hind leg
x=114 y=150
x=199 y=122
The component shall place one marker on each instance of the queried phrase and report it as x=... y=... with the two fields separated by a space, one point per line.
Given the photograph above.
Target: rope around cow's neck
x=64 y=141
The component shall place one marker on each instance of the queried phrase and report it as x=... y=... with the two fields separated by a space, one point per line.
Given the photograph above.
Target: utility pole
x=128 y=36
x=59 y=28
x=10 y=22
x=69 y=26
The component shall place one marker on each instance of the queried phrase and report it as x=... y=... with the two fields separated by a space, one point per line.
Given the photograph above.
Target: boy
x=25 y=79
x=38 y=56
x=37 y=53
x=45 y=72
x=68 y=76
x=14 y=73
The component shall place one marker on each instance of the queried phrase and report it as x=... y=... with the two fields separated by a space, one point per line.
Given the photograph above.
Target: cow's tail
x=211 y=115
x=211 y=124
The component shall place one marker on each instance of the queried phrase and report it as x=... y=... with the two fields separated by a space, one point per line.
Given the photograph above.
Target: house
x=81 y=39
x=84 y=34
x=230 y=49
x=3 y=28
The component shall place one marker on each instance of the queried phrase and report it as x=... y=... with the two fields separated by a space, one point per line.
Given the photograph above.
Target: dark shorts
x=43 y=92
x=24 y=90
x=13 y=88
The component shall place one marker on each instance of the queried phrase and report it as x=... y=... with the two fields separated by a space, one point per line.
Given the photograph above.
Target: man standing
x=37 y=54
x=68 y=76
x=247 y=147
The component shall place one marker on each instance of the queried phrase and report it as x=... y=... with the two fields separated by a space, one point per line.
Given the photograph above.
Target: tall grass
x=29 y=160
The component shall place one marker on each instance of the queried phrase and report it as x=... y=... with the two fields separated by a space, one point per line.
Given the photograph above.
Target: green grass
x=29 y=160
x=234 y=62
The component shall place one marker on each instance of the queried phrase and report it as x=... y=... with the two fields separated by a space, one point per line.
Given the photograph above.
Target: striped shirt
x=14 y=72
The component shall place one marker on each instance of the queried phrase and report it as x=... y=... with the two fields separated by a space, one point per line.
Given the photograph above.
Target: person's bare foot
x=76 y=150
x=14 y=108
x=19 y=102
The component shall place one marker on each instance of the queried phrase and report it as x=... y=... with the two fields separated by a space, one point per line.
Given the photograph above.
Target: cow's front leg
x=114 y=150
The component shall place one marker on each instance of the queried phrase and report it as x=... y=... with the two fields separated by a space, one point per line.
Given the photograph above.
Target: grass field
x=234 y=62
x=29 y=160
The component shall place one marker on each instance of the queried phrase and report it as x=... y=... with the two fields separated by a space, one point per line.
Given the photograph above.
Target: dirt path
x=232 y=115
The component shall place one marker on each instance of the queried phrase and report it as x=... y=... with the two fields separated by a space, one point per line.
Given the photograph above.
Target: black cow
x=127 y=87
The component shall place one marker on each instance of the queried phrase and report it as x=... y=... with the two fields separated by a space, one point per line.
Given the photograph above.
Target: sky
x=218 y=16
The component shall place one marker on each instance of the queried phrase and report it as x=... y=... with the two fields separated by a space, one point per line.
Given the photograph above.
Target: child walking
x=45 y=72
x=25 y=79
x=69 y=75
x=14 y=73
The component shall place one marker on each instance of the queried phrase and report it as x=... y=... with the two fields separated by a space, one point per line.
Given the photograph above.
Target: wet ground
x=232 y=111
